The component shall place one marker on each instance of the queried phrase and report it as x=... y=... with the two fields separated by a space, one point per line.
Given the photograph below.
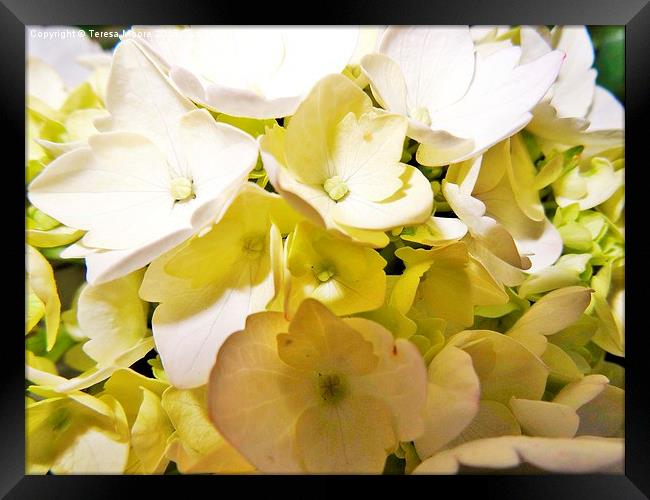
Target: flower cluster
x=330 y=250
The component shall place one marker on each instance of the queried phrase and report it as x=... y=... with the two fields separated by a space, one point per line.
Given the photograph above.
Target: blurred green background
x=609 y=44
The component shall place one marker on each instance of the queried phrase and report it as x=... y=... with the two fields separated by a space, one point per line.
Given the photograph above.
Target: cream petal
x=545 y=418
x=492 y=420
x=410 y=205
x=487 y=231
x=399 y=379
x=539 y=241
x=559 y=455
x=44 y=83
x=351 y=437
x=504 y=366
x=555 y=311
x=112 y=316
x=309 y=138
x=452 y=399
x=579 y=393
x=276 y=394
x=367 y=155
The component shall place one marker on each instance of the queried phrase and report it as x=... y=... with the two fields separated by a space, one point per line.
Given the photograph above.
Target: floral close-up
x=324 y=250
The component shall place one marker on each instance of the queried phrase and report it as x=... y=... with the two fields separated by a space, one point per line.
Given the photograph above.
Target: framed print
x=381 y=248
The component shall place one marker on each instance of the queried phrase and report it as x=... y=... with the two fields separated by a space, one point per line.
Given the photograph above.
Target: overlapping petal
x=333 y=398
x=484 y=97
x=255 y=72
x=340 y=165
x=203 y=299
x=135 y=167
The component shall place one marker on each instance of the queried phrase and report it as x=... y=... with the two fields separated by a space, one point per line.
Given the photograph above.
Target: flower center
x=324 y=272
x=182 y=188
x=336 y=188
x=253 y=246
x=422 y=115
x=325 y=275
x=331 y=387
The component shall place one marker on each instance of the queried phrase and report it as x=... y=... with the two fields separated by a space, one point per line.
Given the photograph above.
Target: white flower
x=251 y=72
x=459 y=101
x=575 y=110
x=160 y=172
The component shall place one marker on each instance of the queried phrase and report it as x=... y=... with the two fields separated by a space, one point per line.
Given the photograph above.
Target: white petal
x=535 y=42
x=576 y=43
x=190 y=328
x=437 y=63
x=310 y=54
x=387 y=82
x=480 y=33
x=367 y=155
x=540 y=242
x=188 y=340
x=232 y=101
x=253 y=72
x=218 y=155
x=438 y=147
x=108 y=265
x=500 y=98
x=573 y=97
x=94 y=189
x=368 y=42
x=606 y=112
x=140 y=99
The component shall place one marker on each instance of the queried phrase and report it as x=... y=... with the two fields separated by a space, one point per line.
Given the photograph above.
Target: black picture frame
x=634 y=14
